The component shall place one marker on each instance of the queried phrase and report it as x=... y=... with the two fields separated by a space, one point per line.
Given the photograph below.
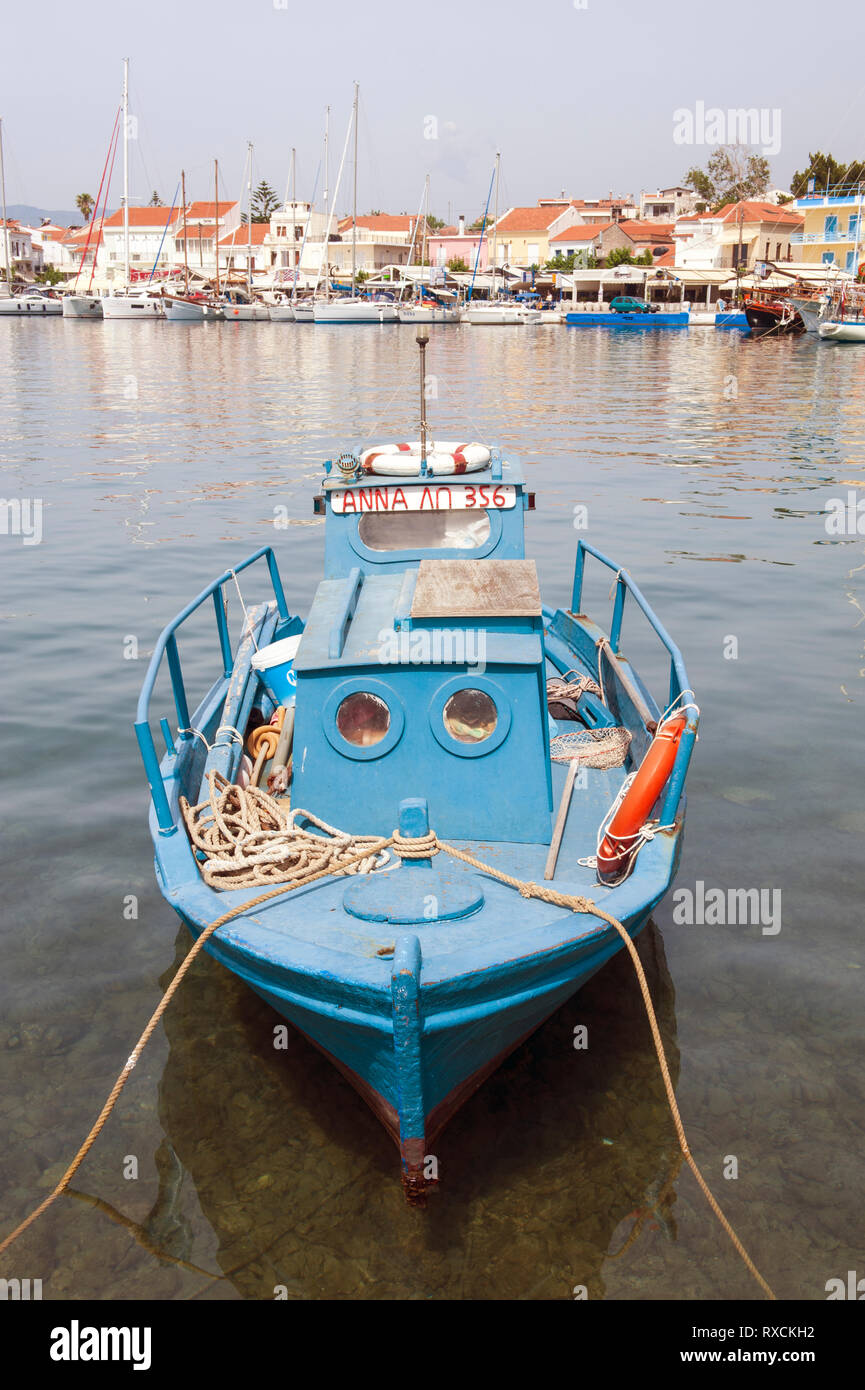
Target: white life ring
x=403 y=460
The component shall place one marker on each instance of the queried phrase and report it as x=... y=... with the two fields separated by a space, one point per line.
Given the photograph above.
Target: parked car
x=629 y=304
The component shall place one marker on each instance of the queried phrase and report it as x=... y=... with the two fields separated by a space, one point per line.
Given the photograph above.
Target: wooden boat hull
x=417 y=1047
x=777 y=318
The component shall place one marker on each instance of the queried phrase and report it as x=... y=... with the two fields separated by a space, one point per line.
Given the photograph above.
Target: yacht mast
x=185 y=256
x=496 y=226
x=216 y=221
x=5 y=223
x=326 y=204
x=249 y=221
x=425 y=223
x=293 y=207
x=354 y=212
x=126 y=167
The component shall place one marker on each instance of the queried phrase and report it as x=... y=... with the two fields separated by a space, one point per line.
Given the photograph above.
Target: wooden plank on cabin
x=476 y=589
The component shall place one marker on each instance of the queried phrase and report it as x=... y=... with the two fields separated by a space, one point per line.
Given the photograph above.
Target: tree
x=457 y=264
x=435 y=224
x=477 y=224
x=731 y=174
x=155 y=200
x=826 y=172
x=49 y=276
x=560 y=262
x=264 y=202
x=84 y=203
x=620 y=255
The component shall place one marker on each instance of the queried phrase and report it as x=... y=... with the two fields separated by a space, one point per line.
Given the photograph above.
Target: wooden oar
x=561 y=817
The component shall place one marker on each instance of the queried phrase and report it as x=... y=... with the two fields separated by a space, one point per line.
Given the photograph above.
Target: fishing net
x=592 y=747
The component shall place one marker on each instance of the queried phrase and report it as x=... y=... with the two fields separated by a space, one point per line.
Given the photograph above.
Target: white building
x=25 y=260
x=667 y=204
x=206 y=227
x=150 y=244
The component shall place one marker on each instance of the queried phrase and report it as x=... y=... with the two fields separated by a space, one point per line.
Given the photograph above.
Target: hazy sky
x=577 y=94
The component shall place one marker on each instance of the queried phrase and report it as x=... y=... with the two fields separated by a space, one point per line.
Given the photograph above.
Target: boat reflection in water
x=564 y=1158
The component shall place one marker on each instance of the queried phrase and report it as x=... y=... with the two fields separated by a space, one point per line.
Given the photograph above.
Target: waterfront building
x=25 y=259
x=457 y=244
x=523 y=233
x=150 y=244
x=739 y=234
x=831 y=231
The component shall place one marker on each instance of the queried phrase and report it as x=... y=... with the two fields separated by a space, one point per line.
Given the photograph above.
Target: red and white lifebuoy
x=403 y=460
x=622 y=837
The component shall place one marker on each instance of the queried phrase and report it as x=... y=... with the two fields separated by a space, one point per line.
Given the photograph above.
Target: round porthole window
x=470 y=716
x=363 y=719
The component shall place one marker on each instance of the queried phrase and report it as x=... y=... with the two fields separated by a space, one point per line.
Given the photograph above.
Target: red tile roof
x=755 y=211
x=659 y=231
x=243 y=235
x=206 y=212
x=668 y=258
x=139 y=217
x=530 y=219
x=202 y=232
x=380 y=222
x=581 y=232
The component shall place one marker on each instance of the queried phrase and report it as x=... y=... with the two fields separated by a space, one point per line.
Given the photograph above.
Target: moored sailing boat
x=129 y=303
x=353 y=308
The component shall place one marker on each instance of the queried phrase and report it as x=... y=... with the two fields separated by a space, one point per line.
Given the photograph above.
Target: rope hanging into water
x=407 y=848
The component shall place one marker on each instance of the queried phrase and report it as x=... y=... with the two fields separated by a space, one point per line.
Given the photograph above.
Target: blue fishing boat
x=411 y=804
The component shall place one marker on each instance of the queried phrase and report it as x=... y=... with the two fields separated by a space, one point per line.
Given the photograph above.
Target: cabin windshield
x=444 y=530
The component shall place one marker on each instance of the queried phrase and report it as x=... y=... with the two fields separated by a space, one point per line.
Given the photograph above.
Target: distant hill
x=33 y=216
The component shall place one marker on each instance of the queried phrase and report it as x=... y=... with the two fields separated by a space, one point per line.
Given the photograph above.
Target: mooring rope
x=405 y=847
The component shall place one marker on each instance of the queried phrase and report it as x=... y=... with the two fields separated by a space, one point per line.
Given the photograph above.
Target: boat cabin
x=423 y=653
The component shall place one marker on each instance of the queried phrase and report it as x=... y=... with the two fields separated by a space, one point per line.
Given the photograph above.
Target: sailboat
x=184 y=308
x=129 y=304
x=843 y=319
x=496 y=311
x=427 y=307
x=353 y=308
x=89 y=305
x=238 y=304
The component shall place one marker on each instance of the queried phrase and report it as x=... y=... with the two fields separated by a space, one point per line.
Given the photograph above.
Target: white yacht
x=500 y=311
x=428 y=313
x=134 y=304
x=82 y=306
x=31 y=303
x=353 y=310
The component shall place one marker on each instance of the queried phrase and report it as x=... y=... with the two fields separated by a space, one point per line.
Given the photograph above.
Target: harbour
x=432 y=589
x=180 y=486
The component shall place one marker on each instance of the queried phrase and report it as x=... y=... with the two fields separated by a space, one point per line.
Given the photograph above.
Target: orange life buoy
x=620 y=839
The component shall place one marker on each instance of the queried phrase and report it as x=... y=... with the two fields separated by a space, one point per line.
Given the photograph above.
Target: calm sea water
x=706 y=462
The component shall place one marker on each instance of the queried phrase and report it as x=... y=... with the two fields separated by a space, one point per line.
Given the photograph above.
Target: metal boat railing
x=679 y=685
x=166 y=647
